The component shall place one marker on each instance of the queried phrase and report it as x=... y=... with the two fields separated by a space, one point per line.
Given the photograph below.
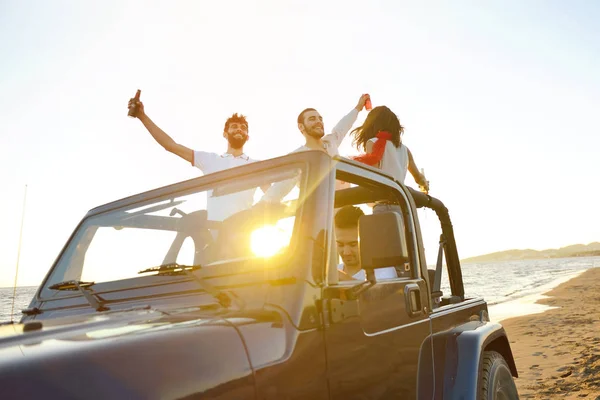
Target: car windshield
x=227 y=221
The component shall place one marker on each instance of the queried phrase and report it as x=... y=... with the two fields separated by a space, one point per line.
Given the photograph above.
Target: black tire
x=495 y=380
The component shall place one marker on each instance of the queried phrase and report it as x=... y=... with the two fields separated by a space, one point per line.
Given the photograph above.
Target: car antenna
x=12 y=310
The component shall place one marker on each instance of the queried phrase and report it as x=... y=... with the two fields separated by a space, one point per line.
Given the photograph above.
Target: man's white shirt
x=380 y=273
x=221 y=207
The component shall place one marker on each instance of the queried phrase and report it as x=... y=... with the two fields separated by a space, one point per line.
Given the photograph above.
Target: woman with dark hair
x=380 y=136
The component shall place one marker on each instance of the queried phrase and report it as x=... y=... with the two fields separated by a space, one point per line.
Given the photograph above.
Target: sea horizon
x=510 y=288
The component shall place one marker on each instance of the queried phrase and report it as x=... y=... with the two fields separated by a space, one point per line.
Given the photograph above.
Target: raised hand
x=361 y=101
x=139 y=107
x=423 y=183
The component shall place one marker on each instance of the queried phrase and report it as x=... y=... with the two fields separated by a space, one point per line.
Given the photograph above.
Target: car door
x=375 y=340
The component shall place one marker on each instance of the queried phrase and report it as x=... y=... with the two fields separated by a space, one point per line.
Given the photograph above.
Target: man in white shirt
x=346 y=237
x=236 y=133
x=310 y=124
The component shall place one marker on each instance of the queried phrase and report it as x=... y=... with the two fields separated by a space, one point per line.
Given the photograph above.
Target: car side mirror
x=382 y=240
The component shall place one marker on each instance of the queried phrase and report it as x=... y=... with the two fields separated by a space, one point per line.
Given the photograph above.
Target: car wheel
x=496 y=381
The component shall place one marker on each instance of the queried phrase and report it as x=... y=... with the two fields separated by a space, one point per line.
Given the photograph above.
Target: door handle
x=412 y=296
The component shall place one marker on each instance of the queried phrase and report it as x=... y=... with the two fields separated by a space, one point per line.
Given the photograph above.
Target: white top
x=331 y=144
x=221 y=207
x=380 y=273
x=394 y=161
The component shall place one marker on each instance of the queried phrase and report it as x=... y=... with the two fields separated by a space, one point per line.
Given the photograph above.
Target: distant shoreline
x=511 y=256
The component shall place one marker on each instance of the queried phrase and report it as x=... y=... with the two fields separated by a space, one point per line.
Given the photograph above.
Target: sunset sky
x=500 y=101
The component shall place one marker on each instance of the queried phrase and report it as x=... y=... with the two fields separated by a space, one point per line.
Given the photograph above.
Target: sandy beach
x=558 y=351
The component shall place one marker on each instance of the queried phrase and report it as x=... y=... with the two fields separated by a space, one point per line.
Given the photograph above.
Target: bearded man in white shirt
x=236 y=134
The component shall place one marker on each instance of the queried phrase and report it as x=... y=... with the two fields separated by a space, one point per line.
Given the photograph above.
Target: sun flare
x=268 y=240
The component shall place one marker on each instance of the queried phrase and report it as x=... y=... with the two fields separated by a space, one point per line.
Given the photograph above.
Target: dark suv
x=153 y=299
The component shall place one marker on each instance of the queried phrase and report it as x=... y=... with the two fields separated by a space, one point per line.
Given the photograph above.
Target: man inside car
x=346 y=237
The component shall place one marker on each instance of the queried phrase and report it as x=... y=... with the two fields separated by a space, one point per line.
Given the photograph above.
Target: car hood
x=143 y=353
x=89 y=327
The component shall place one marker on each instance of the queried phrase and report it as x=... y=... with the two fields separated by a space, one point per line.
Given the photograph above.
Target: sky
x=500 y=102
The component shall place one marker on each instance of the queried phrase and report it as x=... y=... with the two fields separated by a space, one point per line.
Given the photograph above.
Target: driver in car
x=346 y=236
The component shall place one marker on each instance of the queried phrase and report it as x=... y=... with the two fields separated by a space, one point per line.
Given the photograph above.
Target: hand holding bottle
x=136 y=108
x=363 y=102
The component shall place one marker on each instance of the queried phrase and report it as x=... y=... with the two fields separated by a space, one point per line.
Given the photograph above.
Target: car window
x=359 y=196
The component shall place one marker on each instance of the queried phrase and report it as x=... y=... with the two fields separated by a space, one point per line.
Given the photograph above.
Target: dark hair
x=240 y=119
x=301 y=115
x=347 y=217
x=379 y=119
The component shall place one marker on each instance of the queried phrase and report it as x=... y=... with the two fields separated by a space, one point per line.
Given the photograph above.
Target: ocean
x=23 y=297
x=510 y=287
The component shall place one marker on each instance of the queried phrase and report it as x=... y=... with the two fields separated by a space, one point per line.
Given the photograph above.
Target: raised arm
x=161 y=137
x=341 y=129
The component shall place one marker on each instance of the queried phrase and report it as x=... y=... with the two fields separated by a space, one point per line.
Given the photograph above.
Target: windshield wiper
x=82 y=287
x=224 y=298
x=171 y=269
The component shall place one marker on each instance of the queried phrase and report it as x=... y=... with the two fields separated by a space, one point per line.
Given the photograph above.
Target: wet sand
x=558 y=351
